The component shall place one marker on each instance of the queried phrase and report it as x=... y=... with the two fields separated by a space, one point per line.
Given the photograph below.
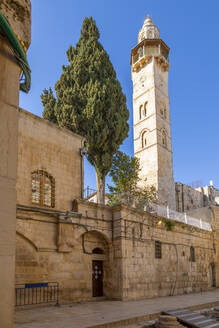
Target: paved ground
x=87 y=314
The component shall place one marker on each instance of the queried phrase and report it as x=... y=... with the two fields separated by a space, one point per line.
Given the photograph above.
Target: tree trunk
x=100 y=189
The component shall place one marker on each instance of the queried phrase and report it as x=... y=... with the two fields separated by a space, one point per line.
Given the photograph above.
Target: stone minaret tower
x=152 y=136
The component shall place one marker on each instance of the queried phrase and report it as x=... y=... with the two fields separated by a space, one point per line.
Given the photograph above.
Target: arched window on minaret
x=140 y=52
x=164 y=138
x=144 y=139
x=140 y=111
x=145 y=109
x=165 y=113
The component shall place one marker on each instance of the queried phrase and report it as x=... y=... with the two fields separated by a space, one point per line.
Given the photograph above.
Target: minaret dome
x=149 y=30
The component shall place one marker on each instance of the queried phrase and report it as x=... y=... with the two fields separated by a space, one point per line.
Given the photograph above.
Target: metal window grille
x=43 y=189
x=192 y=254
x=158 y=250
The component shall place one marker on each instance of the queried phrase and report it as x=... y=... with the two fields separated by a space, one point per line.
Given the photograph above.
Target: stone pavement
x=89 y=314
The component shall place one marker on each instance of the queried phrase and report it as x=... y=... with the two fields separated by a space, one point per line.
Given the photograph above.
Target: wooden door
x=97 y=278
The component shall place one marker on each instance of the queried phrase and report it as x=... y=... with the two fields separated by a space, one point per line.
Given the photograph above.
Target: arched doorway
x=97 y=273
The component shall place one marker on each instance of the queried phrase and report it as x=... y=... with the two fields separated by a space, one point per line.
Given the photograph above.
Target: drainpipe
x=82 y=153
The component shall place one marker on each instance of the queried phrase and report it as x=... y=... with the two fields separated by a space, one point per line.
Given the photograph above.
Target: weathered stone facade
x=173 y=273
x=58 y=247
x=188 y=198
x=44 y=146
x=57 y=244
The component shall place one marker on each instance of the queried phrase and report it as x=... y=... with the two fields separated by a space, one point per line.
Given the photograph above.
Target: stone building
x=95 y=250
x=189 y=199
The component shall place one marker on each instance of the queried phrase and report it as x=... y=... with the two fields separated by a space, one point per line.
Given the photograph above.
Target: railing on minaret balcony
x=157 y=52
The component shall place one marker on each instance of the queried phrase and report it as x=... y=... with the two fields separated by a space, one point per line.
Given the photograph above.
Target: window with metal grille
x=158 y=250
x=192 y=254
x=43 y=189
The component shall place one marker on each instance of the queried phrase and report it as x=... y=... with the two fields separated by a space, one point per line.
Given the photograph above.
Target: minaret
x=152 y=136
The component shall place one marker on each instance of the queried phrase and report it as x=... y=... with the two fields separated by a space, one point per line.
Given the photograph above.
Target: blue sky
x=189 y=28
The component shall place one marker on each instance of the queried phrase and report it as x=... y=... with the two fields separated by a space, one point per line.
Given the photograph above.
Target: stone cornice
x=145 y=60
x=142 y=62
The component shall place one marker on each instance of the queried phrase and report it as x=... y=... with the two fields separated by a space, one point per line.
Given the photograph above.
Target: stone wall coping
x=52 y=125
x=48 y=211
x=151 y=216
x=92 y=204
x=155 y=216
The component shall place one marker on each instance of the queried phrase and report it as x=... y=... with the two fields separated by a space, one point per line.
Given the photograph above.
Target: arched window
x=140 y=52
x=145 y=109
x=140 y=111
x=165 y=113
x=144 y=139
x=164 y=138
x=43 y=189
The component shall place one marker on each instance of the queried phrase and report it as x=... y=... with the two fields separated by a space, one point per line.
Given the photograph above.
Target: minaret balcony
x=146 y=49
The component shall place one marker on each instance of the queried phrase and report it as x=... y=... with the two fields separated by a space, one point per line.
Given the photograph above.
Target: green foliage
x=89 y=99
x=49 y=103
x=169 y=225
x=124 y=172
x=125 y=177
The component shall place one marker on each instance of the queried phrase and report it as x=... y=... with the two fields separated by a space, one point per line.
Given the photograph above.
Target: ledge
x=48 y=211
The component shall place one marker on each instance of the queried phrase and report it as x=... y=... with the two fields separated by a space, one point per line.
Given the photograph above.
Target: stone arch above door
x=96 y=240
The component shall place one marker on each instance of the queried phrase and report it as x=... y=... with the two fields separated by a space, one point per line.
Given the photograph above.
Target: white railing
x=166 y=212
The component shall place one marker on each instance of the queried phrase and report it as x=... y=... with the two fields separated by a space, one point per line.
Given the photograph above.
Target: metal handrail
x=36 y=293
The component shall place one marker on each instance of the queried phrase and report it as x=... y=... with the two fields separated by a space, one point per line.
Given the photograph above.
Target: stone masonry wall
x=51 y=249
x=188 y=198
x=145 y=276
x=43 y=145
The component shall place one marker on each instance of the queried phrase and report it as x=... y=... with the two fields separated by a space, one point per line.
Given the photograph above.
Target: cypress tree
x=90 y=102
x=49 y=102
